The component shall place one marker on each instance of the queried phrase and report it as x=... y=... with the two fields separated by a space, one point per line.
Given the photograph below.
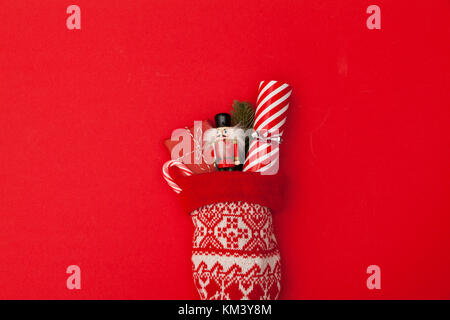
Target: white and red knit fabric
x=235 y=254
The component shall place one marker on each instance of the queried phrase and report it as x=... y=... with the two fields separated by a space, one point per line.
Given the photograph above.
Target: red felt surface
x=83 y=115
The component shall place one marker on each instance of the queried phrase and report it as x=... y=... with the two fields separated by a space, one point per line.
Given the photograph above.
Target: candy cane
x=165 y=170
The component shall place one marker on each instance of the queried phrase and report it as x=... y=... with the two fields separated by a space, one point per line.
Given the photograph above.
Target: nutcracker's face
x=223 y=132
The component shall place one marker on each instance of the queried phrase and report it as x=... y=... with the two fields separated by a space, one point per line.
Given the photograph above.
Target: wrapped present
x=270 y=118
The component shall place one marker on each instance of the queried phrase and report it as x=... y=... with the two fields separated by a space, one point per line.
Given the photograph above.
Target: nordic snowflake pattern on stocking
x=235 y=253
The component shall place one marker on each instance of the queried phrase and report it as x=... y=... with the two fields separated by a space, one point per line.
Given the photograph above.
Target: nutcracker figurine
x=227 y=144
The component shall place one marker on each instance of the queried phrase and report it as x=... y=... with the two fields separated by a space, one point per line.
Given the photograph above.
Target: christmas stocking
x=235 y=253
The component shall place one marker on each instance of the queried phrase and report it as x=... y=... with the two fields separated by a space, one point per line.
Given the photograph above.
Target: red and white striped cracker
x=165 y=170
x=270 y=116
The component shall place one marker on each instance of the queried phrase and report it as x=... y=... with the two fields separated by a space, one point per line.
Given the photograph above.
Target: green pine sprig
x=242 y=114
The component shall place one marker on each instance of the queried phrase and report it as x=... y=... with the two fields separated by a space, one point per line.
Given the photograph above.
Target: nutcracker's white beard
x=210 y=137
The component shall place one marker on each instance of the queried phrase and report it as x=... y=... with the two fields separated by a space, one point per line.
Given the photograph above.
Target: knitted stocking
x=235 y=253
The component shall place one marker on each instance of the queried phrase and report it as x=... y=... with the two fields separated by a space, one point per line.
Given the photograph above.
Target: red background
x=84 y=113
